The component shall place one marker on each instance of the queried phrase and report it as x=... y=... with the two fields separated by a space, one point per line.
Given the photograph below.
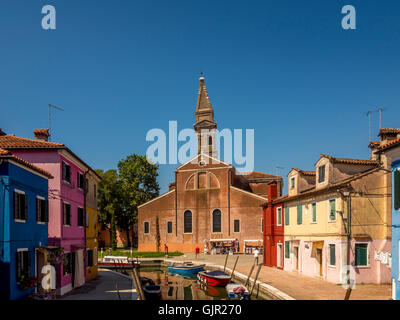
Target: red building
x=273 y=218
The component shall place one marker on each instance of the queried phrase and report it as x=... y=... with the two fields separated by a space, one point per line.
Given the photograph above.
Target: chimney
x=42 y=134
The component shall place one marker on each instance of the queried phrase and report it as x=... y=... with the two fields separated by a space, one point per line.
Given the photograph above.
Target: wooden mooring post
x=248 y=277
x=138 y=284
x=255 y=279
x=234 y=266
x=226 y=261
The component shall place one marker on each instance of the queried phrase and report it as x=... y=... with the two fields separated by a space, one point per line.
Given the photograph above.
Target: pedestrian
x=197 y=251
x=165 y=250
x=205 y=249
x=256 y=252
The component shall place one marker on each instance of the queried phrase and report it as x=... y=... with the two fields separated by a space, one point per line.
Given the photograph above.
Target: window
x=67 y=214
x=286 y=216
x=278 y=216
x=146 y=227
x=95 y=255
x=314 y=213
x=23 y=263
x=66 y=172
x=321 y=174
x=42 y=210
x=169 y=227
x=80 y=181
x=292 y=182
x=87 y=219
x=396 y=189
x=67 y=263
x=90 y=258
x=332 y=255
x=80 y=217
x=216 y=221
x=236 y=225
x=332 y=210
x=187 y=221
x=287 y=249
x=299 y=214
x=20 y=206
x=361 y=254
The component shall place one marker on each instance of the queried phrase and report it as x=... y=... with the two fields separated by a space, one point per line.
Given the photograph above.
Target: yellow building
x=320 y=206
x=92 y=242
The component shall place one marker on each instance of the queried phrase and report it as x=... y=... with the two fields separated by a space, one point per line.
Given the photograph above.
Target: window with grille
x=90 y=258
x=236 y=225
x=23 y=263
x=146 y=227
x=216 y=221
x=169 y=227
x=187 y=221
x=67 y=214
x=42 y=210
x=20 y=206
x=321 y=174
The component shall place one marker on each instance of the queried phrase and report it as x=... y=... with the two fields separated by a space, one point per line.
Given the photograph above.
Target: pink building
x=66 y=201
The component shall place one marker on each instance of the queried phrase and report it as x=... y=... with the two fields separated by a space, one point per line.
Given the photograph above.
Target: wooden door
x=319 y=261
x=296 y=256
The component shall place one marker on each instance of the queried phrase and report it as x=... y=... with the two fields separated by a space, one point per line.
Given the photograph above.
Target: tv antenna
x=54 y=107
x=278 y=168
x=380 y=110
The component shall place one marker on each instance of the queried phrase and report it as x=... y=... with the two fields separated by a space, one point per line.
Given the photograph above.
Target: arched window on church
x=187 y=221
x=216 y=221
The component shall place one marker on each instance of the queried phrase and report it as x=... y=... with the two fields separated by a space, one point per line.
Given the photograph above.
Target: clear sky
x=120 y=68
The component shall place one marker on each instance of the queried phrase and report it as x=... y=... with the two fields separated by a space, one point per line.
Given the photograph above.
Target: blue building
x=23 y=224
x=388 y=151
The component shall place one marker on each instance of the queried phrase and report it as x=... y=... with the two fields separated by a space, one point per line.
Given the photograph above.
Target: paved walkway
x=104 y=287
x=297 y=286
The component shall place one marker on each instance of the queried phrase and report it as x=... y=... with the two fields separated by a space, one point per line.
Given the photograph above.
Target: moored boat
x=152 y=292
x=117 y=262
x=186 y=269
x=237 y=291
x=215 y=278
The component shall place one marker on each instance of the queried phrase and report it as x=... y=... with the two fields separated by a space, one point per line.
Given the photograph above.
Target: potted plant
x=26 y=282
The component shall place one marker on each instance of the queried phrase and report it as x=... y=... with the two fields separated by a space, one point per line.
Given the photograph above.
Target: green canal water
x=176 y=287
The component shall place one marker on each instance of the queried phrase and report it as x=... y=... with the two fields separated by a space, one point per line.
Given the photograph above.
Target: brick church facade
x=209 y=204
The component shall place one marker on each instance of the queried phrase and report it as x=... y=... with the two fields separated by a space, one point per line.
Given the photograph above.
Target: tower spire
x=205 y=125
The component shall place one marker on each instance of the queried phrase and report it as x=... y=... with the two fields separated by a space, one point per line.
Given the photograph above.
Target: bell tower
x=205 y=125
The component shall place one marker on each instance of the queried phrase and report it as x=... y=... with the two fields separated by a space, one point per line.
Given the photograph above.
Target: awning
x=253 y=243
x=222 y=240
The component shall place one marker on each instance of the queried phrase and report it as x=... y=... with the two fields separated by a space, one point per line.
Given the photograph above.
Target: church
x=209 y=205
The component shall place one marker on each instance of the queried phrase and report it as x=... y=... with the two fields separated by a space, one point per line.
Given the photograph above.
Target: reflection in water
x=176 y=287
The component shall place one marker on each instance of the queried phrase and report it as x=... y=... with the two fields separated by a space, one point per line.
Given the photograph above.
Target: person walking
x=165 y=250
x=256 y=252
x=197 y=251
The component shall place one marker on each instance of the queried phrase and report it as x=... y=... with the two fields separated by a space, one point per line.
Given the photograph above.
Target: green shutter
x=314 y=212
x=332 y=214
x=332 y=254
x=361 y=254
x=286 y=216
x=396 y=190
x=287 y=249
x=299 y=214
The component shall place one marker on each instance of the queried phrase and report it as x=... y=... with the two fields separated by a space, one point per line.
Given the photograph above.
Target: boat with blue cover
x=187 y=269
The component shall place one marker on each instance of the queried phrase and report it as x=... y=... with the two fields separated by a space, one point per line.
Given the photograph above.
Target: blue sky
x=120 y=68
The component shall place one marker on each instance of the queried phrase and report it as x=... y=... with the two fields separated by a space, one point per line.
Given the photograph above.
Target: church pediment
x=203 y=161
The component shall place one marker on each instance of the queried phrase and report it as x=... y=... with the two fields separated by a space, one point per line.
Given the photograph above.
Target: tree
x=109 y=200
x=138 y=183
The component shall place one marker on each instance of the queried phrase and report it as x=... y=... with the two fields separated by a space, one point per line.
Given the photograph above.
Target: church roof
x=203 y=101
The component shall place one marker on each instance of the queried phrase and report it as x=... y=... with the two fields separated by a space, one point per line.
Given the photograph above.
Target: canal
x=176 y=287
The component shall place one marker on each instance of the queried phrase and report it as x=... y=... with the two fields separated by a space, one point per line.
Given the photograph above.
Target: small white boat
x=117 y=262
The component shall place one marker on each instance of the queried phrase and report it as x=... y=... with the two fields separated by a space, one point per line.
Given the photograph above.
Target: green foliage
x=122 y=191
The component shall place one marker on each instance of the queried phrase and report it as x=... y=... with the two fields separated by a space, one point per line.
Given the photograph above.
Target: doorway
x=296 y=258
x=40 y=262
x=279 y=255
x=318 y=257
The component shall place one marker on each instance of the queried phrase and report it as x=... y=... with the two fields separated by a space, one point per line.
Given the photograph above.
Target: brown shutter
x=46 y=211
x=16 y=205
x=25 y=207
